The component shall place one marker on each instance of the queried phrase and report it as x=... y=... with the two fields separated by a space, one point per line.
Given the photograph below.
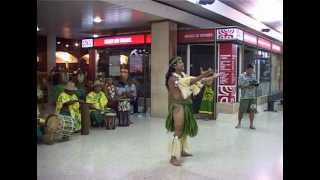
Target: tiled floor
x=140 y=152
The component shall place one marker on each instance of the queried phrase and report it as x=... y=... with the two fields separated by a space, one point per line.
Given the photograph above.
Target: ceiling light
x=95 y=35
x=38 y=28
x=97 y=19
x=67 y=45
x=58 y=42
x=76 y=44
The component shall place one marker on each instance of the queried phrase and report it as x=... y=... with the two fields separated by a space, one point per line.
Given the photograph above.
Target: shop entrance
x=201 y=55
x=134 y=58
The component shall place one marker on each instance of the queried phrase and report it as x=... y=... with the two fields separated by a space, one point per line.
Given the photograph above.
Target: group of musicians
x=102 y=100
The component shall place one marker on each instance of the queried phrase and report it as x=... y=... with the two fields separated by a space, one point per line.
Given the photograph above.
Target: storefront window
x=263 y=66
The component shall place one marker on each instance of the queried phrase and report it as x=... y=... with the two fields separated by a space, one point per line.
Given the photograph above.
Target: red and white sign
x=276 y=48
x=205 y=35
x=86 y=43
x=120 y=40
x=250 y=38
x=228 y=72
x=230 y=34
x=263 y=43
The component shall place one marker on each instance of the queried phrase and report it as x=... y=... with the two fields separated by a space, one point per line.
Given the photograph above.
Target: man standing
x=247 y=84
x=180 y=119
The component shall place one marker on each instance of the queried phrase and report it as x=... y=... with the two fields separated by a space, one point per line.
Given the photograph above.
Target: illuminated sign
x=120 y=40
x=276 y=48
x=148 y=38
x=205 y=35
x=230 y=34
x=86 y=43
x=264 y=43
x=249 y=38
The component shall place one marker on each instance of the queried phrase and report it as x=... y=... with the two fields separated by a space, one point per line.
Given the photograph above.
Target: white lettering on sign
x=108 y=41
x=118 y=40
x=206 y=35
x=86 y=43
x=125 y=40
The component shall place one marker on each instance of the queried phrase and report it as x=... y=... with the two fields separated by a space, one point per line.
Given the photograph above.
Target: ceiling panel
x=269 y=12
x=74 y=19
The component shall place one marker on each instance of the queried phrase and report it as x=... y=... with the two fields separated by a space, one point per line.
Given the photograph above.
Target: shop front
x=238 y=48
x=108 y=55
x=197 y=49
x=228 y=51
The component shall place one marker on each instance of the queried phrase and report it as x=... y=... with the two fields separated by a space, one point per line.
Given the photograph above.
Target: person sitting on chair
x=68 y=104
x=98 y=102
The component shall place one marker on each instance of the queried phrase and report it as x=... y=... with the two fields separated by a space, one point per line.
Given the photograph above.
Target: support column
x=92 y=64
x=51 y=51
x=51 y=61
x=163 y=47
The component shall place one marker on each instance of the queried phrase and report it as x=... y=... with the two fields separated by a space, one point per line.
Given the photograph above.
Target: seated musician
x=69 y=104
x=97 y=101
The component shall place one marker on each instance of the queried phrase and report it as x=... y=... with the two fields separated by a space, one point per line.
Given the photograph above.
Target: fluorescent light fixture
x=95 y=35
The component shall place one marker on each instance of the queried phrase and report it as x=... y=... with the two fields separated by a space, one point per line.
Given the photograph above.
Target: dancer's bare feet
x=185 y=154
x=174 y=161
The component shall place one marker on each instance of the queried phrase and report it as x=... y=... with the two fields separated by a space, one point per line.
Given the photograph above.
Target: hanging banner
x=227 y=91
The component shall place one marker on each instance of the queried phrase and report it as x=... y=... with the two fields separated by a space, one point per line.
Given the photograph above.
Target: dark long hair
x=168 y=74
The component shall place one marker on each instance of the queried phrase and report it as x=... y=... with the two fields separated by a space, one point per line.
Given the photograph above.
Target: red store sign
x=120 y=40
x=262 y=43
x=250 y=38
x=276 y=48
x=205 y=35
x=148 y=39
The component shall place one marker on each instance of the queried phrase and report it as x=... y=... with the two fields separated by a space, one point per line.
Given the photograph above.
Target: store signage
x=229 y=34
x=228 y=73
x=262 y=43
x=276 y=48
x=121 y=40
x=148 y=39
x=86 y=43
x=250 y=38
x=205 y=35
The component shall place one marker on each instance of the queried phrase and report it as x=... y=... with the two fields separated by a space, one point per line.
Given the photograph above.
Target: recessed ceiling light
x=76 y=44
x=95 y=35
x=38 y=28
x=97 y=19
x=67 y=45
x=58 y=42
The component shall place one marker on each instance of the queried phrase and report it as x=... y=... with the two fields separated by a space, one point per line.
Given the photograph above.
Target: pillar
x=51 y=61
x=92 y=64
x=163 y=47
x=51 y=51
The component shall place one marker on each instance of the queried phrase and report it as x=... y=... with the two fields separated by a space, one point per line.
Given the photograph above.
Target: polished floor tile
x=140 y=152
